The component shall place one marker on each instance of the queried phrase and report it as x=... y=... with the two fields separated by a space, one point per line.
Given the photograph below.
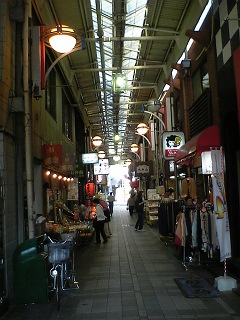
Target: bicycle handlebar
x=60 y=241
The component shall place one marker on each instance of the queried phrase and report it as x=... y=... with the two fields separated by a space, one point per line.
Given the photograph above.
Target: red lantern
x=134 y=184
x=90 y=189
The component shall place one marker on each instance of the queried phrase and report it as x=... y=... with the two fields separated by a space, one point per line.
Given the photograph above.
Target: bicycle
x=61 y=256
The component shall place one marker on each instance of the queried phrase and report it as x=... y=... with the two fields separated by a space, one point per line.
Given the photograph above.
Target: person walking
x=99 y=222
x=139 y=206
x=108 y=217
x=111 y=200
x=131 y=203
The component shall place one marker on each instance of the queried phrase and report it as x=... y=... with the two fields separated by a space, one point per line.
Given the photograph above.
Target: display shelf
x=152 y=204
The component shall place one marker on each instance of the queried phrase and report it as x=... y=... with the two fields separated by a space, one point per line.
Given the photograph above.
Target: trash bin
x=29 y=271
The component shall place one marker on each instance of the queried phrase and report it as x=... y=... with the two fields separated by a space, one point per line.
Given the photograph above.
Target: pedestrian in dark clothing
x=111 y=200
x=139 y=207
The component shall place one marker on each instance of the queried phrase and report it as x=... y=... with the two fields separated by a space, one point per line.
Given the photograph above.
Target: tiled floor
x=131 y=277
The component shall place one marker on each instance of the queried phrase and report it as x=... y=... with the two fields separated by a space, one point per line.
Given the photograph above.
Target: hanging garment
x=166 y=218
x=180 y=231
x=204 y=226
x=189 y=188
x=194 y=230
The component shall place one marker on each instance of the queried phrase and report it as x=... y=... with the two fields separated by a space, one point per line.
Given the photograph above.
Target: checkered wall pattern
x=226 y=24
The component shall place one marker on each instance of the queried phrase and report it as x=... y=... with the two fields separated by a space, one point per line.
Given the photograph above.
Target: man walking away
x=111 y=199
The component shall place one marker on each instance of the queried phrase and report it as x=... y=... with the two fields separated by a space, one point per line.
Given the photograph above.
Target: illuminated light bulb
x=48 y=173
x=134 y=147
x=101 y=154
x=54 y=175
x=142 y=128
x=116 y=157
x=96 y=141
x=117 y=137
x=62 y=39
x=128 y=162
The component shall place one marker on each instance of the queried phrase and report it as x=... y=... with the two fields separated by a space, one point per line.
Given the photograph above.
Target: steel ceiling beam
x=143 y=38
x=153 y=66
x=125 y=89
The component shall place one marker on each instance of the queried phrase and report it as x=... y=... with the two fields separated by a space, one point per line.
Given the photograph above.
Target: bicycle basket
x=58 y=252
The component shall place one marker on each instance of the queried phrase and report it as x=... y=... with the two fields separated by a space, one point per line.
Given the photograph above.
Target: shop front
x=62 y=211
x=204 y=160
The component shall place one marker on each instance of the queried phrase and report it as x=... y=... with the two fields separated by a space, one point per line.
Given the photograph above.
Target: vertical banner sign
x=52 y=154
x=68 y=162
x=220 y=204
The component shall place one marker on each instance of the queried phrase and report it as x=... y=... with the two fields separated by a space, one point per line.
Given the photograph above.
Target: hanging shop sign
x=68 y=163
x=90 y=189
x=101 y=179
x=52 y=154
x=144 y=168
x=220 y=204
x=102 y=167
x=88 y=158
x=78 y=172
x=171 y=142
x=206 y=162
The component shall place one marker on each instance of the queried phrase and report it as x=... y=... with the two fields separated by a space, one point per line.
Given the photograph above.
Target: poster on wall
x=171 y=142
x=73 y=190
x=220 y=204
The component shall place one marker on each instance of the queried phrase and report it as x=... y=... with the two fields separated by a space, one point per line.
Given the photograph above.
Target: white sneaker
x=141 y=230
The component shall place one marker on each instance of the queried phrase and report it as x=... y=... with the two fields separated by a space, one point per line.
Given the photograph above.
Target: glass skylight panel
x=135 y=17
x=106 y=5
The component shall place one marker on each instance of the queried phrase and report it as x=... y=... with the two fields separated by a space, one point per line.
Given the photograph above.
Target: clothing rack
x=196 y=232
x=184 y=208
x=167 y=212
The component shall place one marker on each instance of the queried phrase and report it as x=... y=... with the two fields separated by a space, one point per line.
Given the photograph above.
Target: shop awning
x=204 y=141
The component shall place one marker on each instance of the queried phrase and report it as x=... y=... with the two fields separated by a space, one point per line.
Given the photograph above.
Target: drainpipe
x=28 y=120
x=19 y=123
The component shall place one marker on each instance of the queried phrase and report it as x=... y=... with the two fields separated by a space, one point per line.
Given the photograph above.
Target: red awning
x=204 y=141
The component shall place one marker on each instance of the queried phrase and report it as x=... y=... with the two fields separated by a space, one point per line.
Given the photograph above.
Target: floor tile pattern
x=131 y=277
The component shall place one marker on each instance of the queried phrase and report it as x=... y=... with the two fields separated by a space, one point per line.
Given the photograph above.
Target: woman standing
x=131 y=203
x=100 y=220
x=139 y=206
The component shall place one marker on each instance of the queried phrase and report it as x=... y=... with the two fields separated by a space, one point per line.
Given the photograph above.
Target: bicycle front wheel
x=58 y=287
